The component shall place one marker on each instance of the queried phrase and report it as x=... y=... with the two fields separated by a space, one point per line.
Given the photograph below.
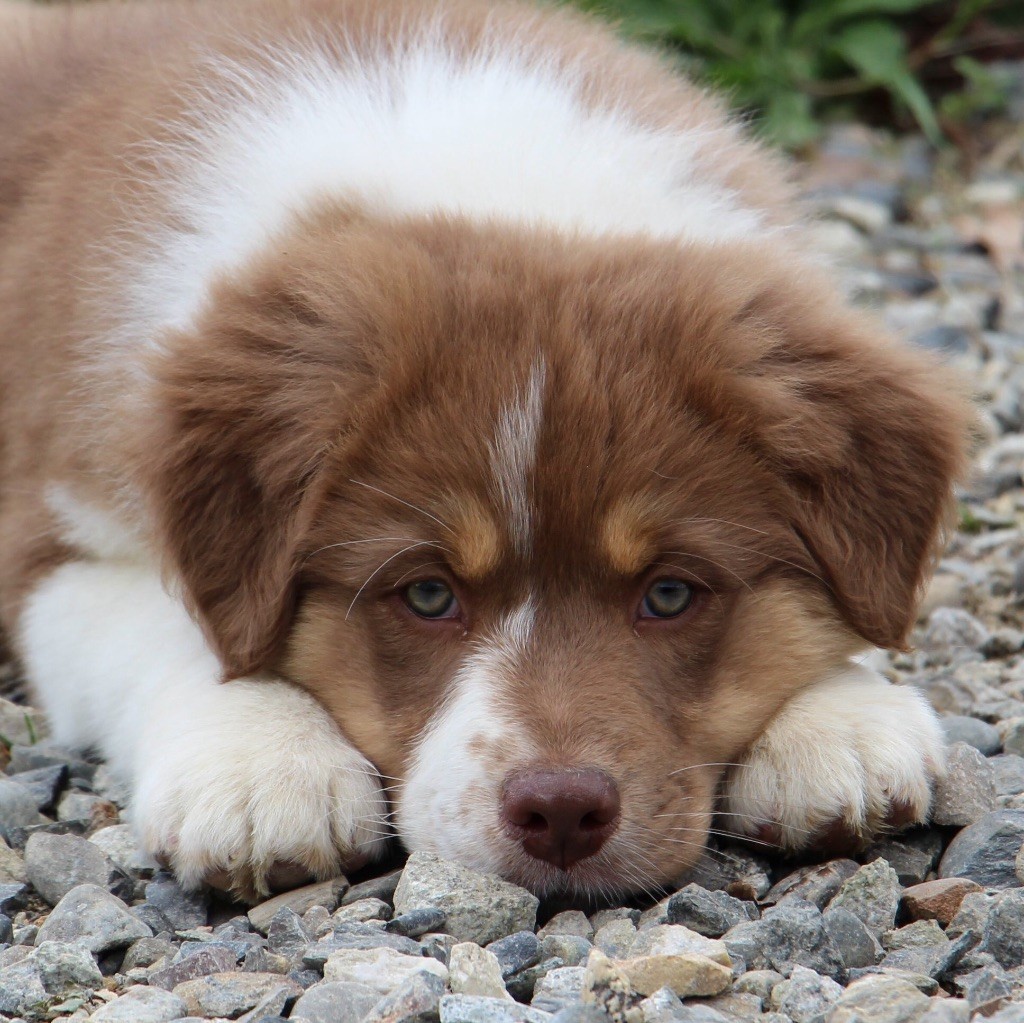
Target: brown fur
x=712 y=410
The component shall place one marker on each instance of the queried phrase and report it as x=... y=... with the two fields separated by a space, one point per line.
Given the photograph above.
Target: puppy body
x=300 y=301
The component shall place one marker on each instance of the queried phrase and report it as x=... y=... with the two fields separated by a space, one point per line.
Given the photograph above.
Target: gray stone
x=572 y=921
x=616 y=938
x=20 y=725
x=473 y=970
x=979 y=734
x=382 y=888
x=758 y=982
x=12 y=897
x=95 y=917
x=478 y=907
x=358 y=912
x=356 y=936
x=475 y=1009
x=816 y=884
x=946 y=1010
x=521 y=985
x=985 y=852
x=287 y=934
x=1003 y=936
x=674 y=939
x=879 y=999
x=146 y=952
x=415 y=922
x=415 y=1000
x=912 y=856
x=229 y=995
x=973 y=913
x=582 y=1014
x=183 y=909
x=204 y=962
x=988 y=986
x=17 y=808
x=558 y=988
x=950 y=631
x=335 y=1002
x=919 y=934
x=20 y=988
x=932 y=961
x=734 y=871
x=12 y=867
x=119 y=843
x=141 y=1005
x=262 y=960
x=1007 y=774
x=45 y=783
x=80 y=806
x=856 y=944
x=708 y=913
x=62 y=965
x=380 y=968
x=57 y=863
x=790 y=934
x=439 y=946
x=325 y=893
x=872 y=895
x=805 y=997
x=967 y=791
x=570 y=948
x=516 y=952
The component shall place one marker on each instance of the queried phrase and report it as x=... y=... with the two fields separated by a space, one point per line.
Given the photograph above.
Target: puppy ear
x=868 y=439
x=245 y=414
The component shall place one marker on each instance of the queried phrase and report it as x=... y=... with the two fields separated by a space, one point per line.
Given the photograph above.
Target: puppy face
x=551 y=528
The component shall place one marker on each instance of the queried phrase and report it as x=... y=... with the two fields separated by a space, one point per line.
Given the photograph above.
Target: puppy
x=428 y=420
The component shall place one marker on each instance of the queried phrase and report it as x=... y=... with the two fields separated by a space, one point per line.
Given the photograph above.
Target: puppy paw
x=257 y=790
x=842 y=761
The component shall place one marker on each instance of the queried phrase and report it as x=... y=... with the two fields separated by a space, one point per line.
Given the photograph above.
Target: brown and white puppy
x=427 y=419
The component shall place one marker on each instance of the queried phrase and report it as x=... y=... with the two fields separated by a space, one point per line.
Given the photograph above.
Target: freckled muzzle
x=560 y=816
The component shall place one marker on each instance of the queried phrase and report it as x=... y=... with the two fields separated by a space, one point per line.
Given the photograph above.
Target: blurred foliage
x=794 y=61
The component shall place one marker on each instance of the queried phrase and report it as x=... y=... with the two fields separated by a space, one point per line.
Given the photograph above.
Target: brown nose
x=560 y=816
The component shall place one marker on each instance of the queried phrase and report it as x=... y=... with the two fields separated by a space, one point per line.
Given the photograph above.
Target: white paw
x=256 y=783
x=843 y=760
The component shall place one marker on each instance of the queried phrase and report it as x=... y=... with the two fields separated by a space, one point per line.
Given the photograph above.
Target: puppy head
x=552 y=527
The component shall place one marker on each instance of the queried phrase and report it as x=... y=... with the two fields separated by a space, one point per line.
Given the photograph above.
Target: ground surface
x=927 y=926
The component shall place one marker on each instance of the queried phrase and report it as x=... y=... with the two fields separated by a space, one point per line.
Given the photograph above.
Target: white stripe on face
x=514 y=454
x=449 y=804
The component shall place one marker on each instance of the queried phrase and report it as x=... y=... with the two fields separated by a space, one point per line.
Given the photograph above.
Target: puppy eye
x=666 y=598
x=431 y=598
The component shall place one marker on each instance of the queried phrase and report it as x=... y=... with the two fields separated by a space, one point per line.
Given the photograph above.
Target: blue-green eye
x=431 y=598
x=666 y=598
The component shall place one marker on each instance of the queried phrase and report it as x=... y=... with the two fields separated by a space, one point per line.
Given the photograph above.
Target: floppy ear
x=246 y=409
x=868 y=439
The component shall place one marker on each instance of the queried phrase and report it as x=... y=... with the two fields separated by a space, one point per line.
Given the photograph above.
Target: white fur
x=233 y=776
x=514 y=454
x=449 y=803
x=92 y=530
x=845 y=749
x=499 y=135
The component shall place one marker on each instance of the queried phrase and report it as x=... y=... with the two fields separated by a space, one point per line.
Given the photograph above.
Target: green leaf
x=789 y=119
x=876 y=49
x=823 y=17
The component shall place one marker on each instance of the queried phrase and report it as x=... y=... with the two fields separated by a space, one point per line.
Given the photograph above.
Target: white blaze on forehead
x=514 y=454
x=449 y=804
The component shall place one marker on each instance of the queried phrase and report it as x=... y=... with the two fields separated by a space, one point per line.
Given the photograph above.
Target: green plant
x=789 y=59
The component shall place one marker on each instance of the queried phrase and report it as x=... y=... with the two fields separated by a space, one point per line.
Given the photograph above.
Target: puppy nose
x=560 y=816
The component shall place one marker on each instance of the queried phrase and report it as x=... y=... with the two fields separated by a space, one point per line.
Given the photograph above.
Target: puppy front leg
x=228 y=780
x=842 y=761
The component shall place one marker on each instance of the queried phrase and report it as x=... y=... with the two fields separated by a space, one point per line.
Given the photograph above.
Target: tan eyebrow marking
x=626 y=535
x=477 y=547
